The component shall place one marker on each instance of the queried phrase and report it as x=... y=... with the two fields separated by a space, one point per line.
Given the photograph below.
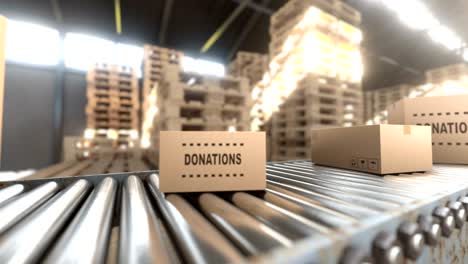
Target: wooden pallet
x=113 y=82
x=155 y=58
x=179 y=124
x=453 y=72
x=250 y=65
x=294 y=8
x=119 y=111
x=110 y=68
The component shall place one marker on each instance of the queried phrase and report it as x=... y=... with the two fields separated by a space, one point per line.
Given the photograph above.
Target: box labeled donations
x=212 y=161
x=448 y=118
x=378 y=149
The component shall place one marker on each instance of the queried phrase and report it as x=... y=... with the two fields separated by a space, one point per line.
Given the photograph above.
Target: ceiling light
x=31 y=43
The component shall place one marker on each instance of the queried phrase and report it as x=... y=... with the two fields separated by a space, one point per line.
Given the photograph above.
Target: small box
x=378 y=149
x=448 y=117
x=212 y=161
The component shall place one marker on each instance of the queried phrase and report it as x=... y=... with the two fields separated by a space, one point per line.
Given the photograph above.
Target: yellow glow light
x=112 y=134
x=308 y=49
x=89 y=133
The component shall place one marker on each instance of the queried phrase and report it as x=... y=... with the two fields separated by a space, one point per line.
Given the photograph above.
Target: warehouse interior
x=403 y=59
x=89 y=87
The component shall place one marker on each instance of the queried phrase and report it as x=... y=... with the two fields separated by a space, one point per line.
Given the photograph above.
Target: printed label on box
x=448 y=118
x=212 y=161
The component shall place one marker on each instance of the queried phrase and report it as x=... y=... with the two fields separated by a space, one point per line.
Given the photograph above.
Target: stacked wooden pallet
x=316 y=103
x=155 y=58
x=447 y=80
x=455 y=72
x=368 y=105
x=192 y=102
x=384 y=97
x=378 y=101
x=250 y=65
x=113 y=102
x=283 y=22
x=314 y=75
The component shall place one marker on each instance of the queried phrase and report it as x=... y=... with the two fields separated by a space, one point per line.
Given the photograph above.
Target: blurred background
x=89 y=84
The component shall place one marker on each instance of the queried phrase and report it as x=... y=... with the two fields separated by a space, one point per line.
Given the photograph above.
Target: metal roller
x=14 y=211
x=353 y=176
x=214 y=246
x=319 y=215
x=250 y=235
x=10 y=192
x=361 y=184
x=329 y=220
x=140 y=233
x=85 y=240
x=299 y=194
x=380 y=195
x=287 y=223
x=337 y=194
x=176 y=225
x=27 y=241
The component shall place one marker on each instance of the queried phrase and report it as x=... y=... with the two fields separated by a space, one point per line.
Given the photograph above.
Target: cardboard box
x=212 y=161
x=448 y=117
x=3 y=26
x=378 y=149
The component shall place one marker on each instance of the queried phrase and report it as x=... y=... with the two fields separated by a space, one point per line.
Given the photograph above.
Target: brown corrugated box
x=212 y=161
x=378 y=149
x=448 y=117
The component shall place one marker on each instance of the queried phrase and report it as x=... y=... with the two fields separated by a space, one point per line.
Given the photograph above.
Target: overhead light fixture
x=445 y=37
x=89 y=133
x=201 y=66
x=82 y=51
x=32 y=44
x=191 y=81
x=128 y=55
x=416 y=15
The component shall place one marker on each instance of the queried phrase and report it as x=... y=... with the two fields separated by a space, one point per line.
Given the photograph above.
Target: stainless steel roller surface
x=27 y=241
x=215 y=247
x=291 y=225
x=140 y=235
x=365 y=185
x=316 y=213
x=378 y=195
x=365 y=201
x=10 y=192
x=176 y=225
x=249 y=234
x=307 y=213
x=13 y=212
x=310 y=197
x=86 y=239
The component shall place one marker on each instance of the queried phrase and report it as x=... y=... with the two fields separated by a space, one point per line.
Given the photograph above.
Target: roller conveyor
x=307 y=214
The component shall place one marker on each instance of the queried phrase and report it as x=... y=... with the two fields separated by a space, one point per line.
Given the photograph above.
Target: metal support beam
x=245 y=32
x=118 y=17
x=165 y=20
x=257 y=7
x=219 y=32
x=56 y=11
x=58 y=107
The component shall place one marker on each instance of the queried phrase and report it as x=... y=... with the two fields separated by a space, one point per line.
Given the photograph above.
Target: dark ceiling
x=393 y=53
